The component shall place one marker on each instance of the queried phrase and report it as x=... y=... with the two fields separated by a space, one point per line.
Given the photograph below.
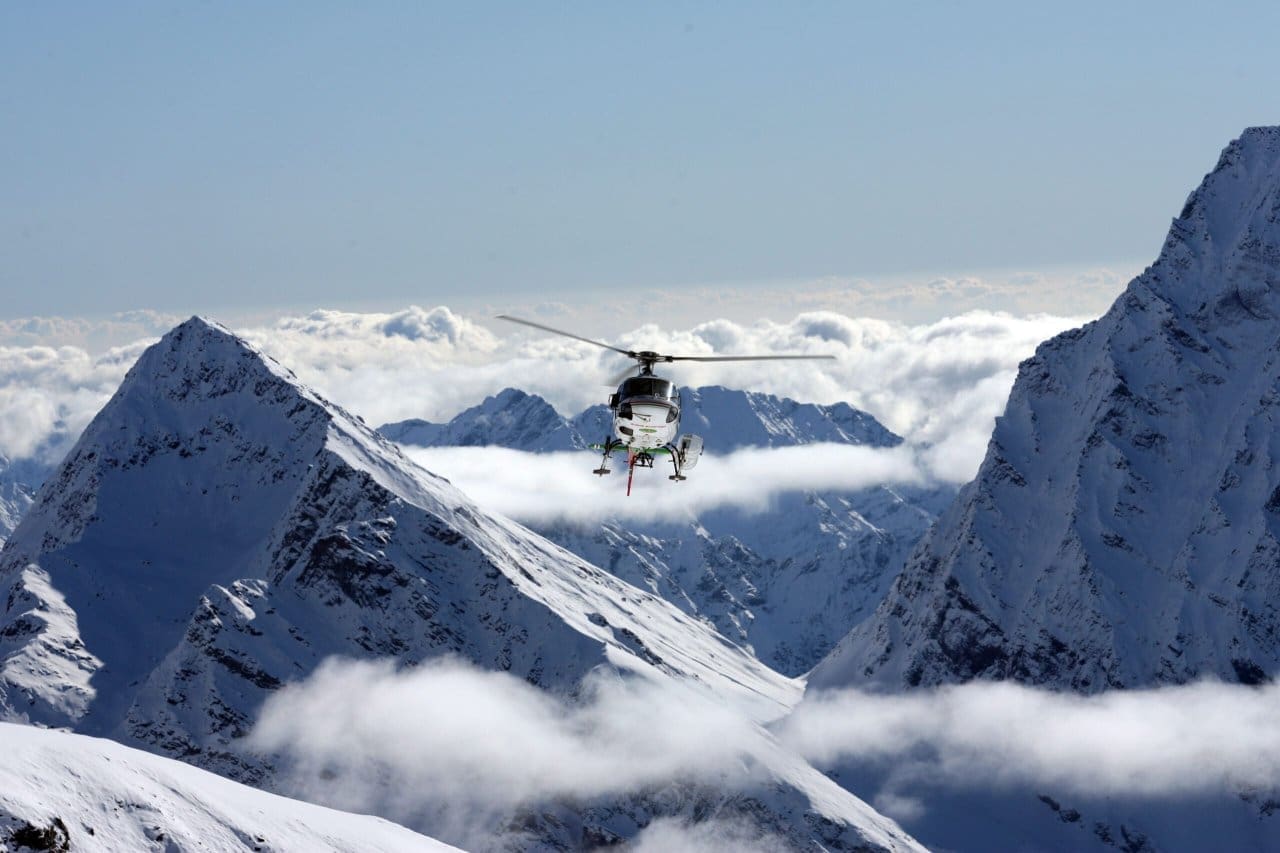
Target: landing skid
x=610 y=445
x=640 y=459
x=674 y=453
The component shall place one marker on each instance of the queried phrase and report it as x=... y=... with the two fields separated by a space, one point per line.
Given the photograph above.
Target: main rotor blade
x=750 y=358
x=617 y=380
x=565 y=334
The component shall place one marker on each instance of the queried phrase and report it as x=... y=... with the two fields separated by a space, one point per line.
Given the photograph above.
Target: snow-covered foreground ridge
x=94 y=794
x=1124 y=528
x=219 y=531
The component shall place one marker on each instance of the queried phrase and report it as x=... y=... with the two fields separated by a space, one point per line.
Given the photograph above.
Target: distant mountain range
x=789 y=581
x=731 y=419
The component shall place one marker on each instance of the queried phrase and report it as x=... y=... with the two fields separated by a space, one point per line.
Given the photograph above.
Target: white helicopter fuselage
x=646 y=412
x=646 y=426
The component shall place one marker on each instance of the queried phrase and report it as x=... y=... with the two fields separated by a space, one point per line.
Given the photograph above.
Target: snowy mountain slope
x=752 y=419
x=790 y=794
x=218 y=531
x=789 y=581
x=510 y=418
x=61 y=791
x=15 y=499
x=18 y=484
x=1123 y=528
x=1044 y=818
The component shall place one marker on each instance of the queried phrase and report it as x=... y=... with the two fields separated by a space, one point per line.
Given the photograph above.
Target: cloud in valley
x=1201 y=738
x=538 y=488
x=712 y=836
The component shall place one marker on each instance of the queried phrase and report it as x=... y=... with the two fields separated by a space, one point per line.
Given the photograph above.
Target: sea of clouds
x=939 y=384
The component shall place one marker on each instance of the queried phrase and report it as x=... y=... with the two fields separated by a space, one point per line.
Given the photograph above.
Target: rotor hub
x=648 y=358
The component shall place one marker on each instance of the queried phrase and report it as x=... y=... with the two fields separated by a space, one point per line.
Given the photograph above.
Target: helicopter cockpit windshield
x=647 y=386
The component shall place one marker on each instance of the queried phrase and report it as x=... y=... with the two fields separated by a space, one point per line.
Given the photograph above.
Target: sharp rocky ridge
x=1124 y=527
x=219 y=530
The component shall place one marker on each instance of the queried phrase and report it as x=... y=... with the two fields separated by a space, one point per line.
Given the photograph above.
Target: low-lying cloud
x=456 y=750
x=670 y=835
x=939 y=384
x=1205 y=738
x=545 y=487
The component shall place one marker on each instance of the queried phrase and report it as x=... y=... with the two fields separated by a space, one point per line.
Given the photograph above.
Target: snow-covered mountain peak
x=202 y=358
x=200 y=391
x=737 y=419
x=1230 y=228
x=201 y=361
x=510 y=418
x=1124 y=527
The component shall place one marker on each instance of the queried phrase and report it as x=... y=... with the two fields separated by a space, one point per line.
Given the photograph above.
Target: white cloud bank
x=48 y=395
x=455 y=750
x=544 y=487
x=1201 y=738
x=907 y=376
x=939 y=384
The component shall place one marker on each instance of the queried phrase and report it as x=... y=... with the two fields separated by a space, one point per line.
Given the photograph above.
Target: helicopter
x=646 y=408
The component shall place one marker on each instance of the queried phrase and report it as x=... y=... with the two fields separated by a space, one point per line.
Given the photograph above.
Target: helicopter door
x=690 y=450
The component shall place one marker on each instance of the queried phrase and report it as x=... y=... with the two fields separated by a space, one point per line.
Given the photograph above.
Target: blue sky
x=190 y=157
